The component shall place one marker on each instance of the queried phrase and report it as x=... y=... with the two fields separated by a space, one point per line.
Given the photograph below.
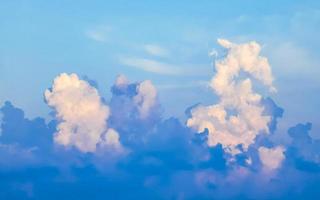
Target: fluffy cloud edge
x=224 y=127
x=81 y=113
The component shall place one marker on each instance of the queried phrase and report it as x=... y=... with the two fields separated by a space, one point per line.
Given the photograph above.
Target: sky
x=159 y=100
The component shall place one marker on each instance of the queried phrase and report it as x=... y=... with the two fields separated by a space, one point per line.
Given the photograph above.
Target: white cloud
x=146 y=98
x=82 y=114
x=271 y=158
x=159 y=67
x=153 y=66
x=112 y=140
x=237 y=119
x=156 y=50
x=121 y=81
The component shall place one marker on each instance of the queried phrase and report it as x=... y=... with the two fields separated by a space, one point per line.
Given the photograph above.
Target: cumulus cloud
x=238 y=117
x=271 y=158
x=135 y=109
x=241 y=57
x=143 y=95
x=17 y=129
x=303 y=151
x=82 y=114
x=121 y=81
x=164 y=155
x=112 y=140
x=146 y=97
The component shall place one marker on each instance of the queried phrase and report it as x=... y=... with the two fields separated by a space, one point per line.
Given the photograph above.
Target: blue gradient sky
x=40 y=39
x=167 y=42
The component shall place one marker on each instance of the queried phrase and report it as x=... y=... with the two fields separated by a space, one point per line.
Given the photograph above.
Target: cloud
x=146 y=98
x=271 y=158
x=135 y=109
x=99 y=34
x=274 y=111
x=81 y=112
x=23 y=142
x=112 y=141
x=150 y=65
x=160 y=67
x=161 y=158
x=145 y=94
x=16 y=128
x=121 y=81
x=238 y=118
x=156 y=50
x=14 y=156
x=303 y=151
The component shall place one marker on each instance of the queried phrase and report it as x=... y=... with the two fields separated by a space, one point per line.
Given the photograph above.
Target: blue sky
x=173 y=44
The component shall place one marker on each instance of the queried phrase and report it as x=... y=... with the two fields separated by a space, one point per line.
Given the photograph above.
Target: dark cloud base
x=165 y=160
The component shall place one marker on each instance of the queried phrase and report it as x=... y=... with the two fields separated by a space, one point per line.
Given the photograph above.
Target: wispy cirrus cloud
x=156 y=50
x=160 y=67
x=192 y=84
x=150 y=65
x=99 y=34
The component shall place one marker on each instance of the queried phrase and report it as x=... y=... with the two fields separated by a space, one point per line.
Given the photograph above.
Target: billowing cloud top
x=124 y=147
x=82 y=114
x=271 y=158
x=238 y=118
x=145 y=98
